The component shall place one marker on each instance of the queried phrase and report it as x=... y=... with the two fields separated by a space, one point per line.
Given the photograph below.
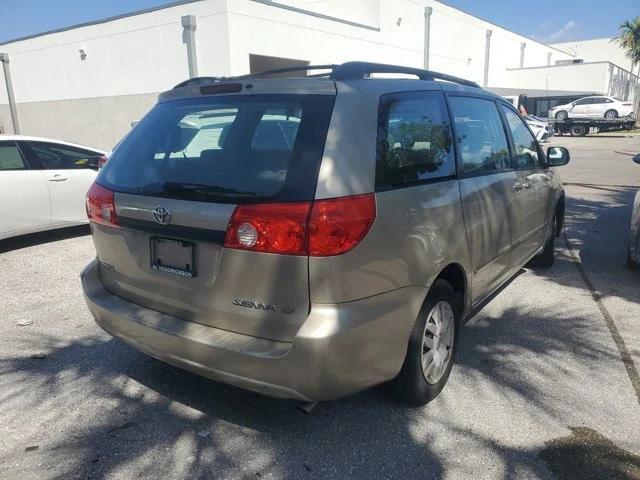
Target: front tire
x=562 y=115
x=431 y=348
x=610 y=114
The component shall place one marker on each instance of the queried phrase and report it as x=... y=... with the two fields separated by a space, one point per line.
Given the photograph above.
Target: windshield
x=241 y=148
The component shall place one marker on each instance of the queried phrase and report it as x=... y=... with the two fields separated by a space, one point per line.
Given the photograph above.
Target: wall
x=457 y=39
x=458 y=47
x=130 y=59
x=597 y=50
x=282 y=33
x=366 y=12
x=587 y=76
x=604 y=78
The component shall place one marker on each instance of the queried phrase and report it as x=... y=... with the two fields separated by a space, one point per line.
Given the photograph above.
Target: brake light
x=102 y=159
x=101 y=207
x=319 y=229
x=336 y=225
x=269 y=227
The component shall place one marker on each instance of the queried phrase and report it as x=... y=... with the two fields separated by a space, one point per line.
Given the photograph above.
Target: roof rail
x=331 y=67
x=345 y=71
x=358 y=70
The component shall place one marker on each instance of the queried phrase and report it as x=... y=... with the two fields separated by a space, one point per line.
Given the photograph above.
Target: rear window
x=231 y=149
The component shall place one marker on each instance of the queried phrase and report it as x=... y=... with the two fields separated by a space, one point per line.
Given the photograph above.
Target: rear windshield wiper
x=204 y=189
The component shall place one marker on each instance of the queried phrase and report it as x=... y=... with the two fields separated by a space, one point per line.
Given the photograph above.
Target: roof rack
x=330 y=67
x=345 y=71
x=358 y=70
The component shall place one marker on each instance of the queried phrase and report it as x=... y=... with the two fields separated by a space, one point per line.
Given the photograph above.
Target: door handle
x=57 y=178
x=520 y=185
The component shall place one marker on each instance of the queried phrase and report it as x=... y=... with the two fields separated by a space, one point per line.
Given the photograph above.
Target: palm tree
x=629 y=39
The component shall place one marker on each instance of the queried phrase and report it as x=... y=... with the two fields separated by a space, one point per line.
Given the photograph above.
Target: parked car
x=633 y=256
x=540 y=128
x=593 y=107
x=312 y=237
x=43 y=183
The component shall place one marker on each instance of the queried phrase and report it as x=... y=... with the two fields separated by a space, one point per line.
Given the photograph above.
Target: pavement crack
x=627 y=360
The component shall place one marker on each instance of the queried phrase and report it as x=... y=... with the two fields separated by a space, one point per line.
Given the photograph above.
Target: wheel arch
x=456 y=276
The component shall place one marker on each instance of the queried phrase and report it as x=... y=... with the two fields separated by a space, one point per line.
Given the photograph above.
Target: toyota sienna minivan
x=308 y=238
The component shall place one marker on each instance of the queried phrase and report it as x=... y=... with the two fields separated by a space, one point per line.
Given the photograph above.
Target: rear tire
x=578 y=131
x=562 y=115
x=546 y=258
x=433 y=344
x=610 y=114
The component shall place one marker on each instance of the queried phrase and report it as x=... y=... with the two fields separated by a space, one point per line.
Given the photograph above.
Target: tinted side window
x=481 y=138
x=584 y=101
x=414 y=139
x=10 y=157
x=524 y=144
x=60 y=157
x=599 y=100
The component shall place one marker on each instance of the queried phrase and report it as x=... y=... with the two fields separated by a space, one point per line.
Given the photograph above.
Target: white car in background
x=540 y=127
x=43 y=183
x=592 y=107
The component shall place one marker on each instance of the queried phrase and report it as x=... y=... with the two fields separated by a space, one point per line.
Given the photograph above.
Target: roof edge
x=176 y=3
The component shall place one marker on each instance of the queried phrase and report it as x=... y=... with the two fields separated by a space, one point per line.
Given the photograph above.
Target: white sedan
x=540 y=127
x=43 y=183
x=592 y=107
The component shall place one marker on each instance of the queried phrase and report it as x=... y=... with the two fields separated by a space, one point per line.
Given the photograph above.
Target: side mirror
x=557 y=156
x=637 y=158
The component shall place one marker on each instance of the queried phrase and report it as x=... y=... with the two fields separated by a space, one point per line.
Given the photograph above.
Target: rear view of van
x=303 y=238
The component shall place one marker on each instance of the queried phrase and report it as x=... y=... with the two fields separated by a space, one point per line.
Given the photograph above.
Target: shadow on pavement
x=32 y=239
x=134 y=413
x=588 y=455
x=598 y=230
x=168 y=422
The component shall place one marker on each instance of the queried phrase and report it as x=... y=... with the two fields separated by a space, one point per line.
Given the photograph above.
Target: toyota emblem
x=162 y=215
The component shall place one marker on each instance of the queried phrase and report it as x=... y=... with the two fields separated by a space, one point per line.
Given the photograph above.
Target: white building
x=87 y=83
x=597 y=50
x=597 y=66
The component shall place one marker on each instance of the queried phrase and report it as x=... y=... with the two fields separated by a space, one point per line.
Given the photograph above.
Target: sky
x=553 y=21
x=545 y=20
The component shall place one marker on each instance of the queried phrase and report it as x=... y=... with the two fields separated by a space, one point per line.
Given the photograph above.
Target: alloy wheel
x=437 y=342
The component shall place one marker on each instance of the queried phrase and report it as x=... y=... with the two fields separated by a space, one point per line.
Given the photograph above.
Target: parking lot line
x=625 y=356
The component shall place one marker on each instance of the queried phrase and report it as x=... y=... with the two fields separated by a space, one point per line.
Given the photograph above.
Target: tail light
x=269 y=227
x=101 y=207
x=319 y=229
x=336 y=225
x=102 y=159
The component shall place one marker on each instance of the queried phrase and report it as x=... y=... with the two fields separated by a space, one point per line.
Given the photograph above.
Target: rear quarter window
x=414 y=140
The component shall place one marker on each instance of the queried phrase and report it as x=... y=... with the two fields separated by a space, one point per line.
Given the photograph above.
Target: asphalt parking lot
x=546 y=382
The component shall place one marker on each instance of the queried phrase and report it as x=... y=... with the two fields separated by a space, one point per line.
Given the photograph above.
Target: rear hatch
x=175 y=183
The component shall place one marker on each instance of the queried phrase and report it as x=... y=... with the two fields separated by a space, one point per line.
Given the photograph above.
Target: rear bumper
x=340 y=349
